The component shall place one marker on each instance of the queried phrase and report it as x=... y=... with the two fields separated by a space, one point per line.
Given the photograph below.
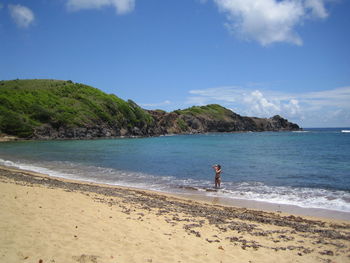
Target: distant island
x=57 y=109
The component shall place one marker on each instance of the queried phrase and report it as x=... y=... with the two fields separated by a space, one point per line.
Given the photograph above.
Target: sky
x=256 y=57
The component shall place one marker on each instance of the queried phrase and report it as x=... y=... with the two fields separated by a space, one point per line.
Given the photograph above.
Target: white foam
x=68 y=170
x=335 y=200
x=302 y=197
x=38 y=169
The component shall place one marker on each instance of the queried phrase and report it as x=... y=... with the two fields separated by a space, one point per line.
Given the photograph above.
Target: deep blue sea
x=308 y=169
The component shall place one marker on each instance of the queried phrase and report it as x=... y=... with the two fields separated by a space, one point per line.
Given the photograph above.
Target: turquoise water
x=308 y=169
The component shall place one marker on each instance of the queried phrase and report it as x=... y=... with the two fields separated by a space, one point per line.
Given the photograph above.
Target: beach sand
x=45 y=219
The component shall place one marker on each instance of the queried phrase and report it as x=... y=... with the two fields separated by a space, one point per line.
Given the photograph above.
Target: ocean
x=309 y=169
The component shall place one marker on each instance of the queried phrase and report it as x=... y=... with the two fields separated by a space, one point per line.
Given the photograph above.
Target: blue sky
x=256 y=57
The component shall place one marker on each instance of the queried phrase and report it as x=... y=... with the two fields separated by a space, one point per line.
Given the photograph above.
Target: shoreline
x=11 y=138
x=215 y=200
x=62 y=220
x=272 y=207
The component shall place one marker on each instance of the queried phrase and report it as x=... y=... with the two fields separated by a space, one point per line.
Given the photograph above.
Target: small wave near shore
x=315 y=198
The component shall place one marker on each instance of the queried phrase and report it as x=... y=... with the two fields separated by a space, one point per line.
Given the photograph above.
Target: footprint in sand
x=85 y=258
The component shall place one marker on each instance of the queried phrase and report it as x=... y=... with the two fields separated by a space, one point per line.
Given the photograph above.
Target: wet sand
x=271 y=207
x=57 y=220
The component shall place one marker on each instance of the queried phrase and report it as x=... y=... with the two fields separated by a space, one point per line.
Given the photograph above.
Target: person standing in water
x=217 y=169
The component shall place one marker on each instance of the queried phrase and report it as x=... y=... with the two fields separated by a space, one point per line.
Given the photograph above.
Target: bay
x=307 y=169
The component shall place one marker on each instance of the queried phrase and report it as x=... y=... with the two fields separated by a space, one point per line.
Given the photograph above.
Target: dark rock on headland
x=215 y=118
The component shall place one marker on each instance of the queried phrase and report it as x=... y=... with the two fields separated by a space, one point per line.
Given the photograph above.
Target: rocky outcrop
x=178 y=123
x=46 y=131
x=276 y=123
x=170 y=123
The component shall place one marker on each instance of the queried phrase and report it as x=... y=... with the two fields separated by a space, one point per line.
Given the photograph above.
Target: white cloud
x=159 y=104
x=308 y=108
x=22 y=15
x=292 y=107
x=261 y=105
x=335 y=97
x=317 y=8
x=248 y=101
x=228 y=94
x=270 y=21
x=121 y=6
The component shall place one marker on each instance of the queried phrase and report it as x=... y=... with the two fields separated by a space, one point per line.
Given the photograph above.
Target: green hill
x=28 y=104
x=56 y=109
x=213 y=111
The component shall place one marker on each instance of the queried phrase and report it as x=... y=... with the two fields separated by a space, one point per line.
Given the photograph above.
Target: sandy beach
x=45 y=219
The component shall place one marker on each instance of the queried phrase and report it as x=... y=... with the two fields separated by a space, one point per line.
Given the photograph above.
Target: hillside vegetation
x=52 y=109
x=28 y=104
x=213 y=111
